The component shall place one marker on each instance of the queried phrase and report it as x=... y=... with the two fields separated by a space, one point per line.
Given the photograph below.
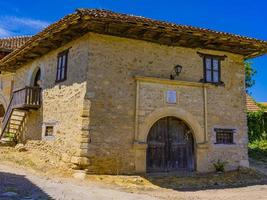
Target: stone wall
x=95 y=115
x=5 y=88
x=6 y=80
x=112 y=90
x=62 y=103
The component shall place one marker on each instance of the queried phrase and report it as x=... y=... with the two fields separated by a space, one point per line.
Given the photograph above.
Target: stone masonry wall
x=62 y=103
x=5 y=91
x=93 y=111
x=112 y=90
x=5 y=88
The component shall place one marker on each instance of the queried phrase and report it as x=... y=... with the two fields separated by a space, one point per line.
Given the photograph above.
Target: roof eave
x=75 y=25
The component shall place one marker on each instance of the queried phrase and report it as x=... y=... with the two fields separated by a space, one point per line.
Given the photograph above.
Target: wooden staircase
x=21 y=102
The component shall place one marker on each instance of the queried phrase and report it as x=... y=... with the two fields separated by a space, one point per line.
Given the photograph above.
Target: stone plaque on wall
x=171 y=96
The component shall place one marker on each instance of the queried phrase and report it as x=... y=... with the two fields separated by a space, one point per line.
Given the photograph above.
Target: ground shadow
x=17 y=187
x=196 y=182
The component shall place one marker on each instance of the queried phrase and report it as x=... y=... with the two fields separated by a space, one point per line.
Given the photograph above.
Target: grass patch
x=258 y=150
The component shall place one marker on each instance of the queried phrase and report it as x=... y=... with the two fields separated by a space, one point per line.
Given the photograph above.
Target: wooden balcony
x=22 y=100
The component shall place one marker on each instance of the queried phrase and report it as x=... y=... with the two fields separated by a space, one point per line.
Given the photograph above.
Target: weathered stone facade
x=62 y=103
x=112 y=89
x=102 y=113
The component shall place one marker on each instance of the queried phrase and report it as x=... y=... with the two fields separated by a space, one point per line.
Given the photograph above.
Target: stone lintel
x=171 y=82
x=81 y=161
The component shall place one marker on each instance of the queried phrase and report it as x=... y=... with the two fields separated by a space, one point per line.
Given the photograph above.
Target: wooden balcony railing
x=25 y=98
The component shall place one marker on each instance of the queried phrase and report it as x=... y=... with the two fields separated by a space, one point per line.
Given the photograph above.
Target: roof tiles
x=12 y=43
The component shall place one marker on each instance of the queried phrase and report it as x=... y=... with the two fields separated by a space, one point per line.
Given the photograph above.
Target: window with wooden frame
x=212 y=68
x=224 y=136
x=62 y=63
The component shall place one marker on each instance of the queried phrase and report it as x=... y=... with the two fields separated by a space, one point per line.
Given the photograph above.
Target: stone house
x=251 y=104
x=253 y=107
x=114 y=93
x=7 y=45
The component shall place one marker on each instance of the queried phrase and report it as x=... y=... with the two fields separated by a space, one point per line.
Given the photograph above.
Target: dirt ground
x=29 y=175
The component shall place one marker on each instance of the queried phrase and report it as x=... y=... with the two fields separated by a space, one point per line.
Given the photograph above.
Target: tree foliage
x=257 y=125
x=250 y=73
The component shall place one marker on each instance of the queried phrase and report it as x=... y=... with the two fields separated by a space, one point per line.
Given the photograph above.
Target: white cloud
x=12 y=25
x=4 y=33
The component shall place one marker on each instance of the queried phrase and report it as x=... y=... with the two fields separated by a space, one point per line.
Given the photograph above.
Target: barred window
x=224 y=136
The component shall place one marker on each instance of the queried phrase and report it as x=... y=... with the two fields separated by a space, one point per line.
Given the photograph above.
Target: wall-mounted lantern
x=176 y=71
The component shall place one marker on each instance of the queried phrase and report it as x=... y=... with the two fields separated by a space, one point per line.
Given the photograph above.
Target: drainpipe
x=205 y=105
x=136 y=111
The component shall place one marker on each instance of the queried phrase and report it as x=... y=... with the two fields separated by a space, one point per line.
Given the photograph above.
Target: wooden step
x=16 y=115
x=18 y=123
x=11 y=128
x=15 y=126
x=19 y=113
x=17 y=120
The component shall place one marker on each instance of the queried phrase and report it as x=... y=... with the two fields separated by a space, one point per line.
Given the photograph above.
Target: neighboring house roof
x=12 y=43
x=7 y=45
x=251 y=104
x=264 y=105
x=106 y=22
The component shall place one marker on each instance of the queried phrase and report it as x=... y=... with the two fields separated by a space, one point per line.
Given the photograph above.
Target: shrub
x=257 y=126
x=219 y=165
x=258 y=150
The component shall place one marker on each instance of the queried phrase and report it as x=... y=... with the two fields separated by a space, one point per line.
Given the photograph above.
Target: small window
x=212 y=70
x=49 y=131
x=224 y=136
x=62 y=62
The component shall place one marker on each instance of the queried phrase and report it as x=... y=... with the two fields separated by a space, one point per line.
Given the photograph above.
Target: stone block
x=79 y=174
x=66 y=158
x=81 y=161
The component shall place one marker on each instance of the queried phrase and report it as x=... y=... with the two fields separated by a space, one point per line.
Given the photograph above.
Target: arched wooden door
x=170 y=146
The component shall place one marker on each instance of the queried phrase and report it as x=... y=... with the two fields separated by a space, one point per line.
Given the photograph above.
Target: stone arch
x=140 y=144
x=3 y=107
x=2 y=111
x=32 y=75
x=179 y=113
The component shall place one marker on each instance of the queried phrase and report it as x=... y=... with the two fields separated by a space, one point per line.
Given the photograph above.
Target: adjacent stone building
x=7 y=45
x=114 y=93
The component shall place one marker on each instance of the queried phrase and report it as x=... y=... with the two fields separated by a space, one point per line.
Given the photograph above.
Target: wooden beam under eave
x=35 y=53
x=51 y=44
x=157 y=35
x=7 y=69
x=165 y=41
x=137 y=33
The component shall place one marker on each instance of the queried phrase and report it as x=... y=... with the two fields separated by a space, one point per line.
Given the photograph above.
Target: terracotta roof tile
x=161 y=24
x=265 y=105
x=12 y=43
x=106 y=22
x=251 y=104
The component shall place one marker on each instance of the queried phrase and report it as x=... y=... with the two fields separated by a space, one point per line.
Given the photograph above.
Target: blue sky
x=244 y=17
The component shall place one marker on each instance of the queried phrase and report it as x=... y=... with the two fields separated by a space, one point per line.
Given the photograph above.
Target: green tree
x=250 y=73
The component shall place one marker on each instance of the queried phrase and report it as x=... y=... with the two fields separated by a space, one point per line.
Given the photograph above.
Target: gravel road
x=20 y=184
